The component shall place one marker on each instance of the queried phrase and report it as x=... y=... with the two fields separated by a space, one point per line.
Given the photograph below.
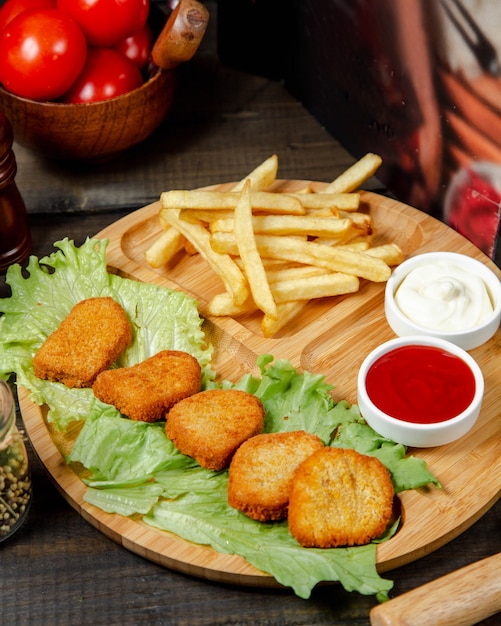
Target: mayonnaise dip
x=444 y=296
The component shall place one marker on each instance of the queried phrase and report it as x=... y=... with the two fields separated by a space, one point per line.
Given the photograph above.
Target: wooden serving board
x=332 y=337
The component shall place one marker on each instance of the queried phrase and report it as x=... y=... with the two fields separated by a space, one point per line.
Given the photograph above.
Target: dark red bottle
x=15 y=238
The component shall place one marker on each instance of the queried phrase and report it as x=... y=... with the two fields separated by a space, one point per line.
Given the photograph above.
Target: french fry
x=189 y=248
x=223 y=304
x=224 y=225
x=262 y=176
x=355 y=175
x=390 y=253
x=309 y=253
x=208 y=216
x=357 y=246
x=270 y=265
x=360 y=232
x=224 y=243
x=348 y=261
x=346 y=240
x=295 y=225
x=327 y=212
x=325 y=285
x=286 y=312
x=164 y=248
x=206 y=200
x=362 y=239
x=345 y=201
x=364 y=220
x=291 y=225
x=198 y=199
x=290 y=273
x=276 y=203
x=247 y=249
x=222 y=264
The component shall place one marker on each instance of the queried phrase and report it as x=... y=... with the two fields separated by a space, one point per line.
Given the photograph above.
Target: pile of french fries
x=274 y=252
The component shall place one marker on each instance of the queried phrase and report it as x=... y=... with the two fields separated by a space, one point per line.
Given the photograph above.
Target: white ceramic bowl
x=421 y=435
x=467 y=338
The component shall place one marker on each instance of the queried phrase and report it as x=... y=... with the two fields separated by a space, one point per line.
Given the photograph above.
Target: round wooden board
x=331 y=337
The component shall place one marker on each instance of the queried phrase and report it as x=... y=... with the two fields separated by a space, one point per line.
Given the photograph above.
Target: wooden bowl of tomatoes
x=108 y=90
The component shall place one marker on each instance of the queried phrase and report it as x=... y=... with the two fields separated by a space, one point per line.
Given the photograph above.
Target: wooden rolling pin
x=461 y=598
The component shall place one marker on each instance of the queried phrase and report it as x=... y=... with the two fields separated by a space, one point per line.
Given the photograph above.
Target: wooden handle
x=181 y=35
x=462 y=598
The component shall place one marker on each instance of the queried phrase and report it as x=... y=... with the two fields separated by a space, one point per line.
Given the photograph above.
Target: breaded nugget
x=146 y=391
x=339 y=498
x=88 y=341
x=261 y=471
x=210 y=425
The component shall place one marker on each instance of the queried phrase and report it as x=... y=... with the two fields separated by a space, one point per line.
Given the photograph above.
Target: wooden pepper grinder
x=15 y=238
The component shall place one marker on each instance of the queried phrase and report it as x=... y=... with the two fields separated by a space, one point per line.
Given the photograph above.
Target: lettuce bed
x=135 y=469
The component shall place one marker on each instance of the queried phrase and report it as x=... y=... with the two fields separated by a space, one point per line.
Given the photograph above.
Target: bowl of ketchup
x=420 y=391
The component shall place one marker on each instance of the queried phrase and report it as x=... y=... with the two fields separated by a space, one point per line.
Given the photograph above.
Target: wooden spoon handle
x=462 y=598
x=181 y=35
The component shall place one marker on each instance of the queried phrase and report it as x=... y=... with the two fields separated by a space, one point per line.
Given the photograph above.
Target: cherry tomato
x=106 y=22
x=107 y=74
x=11 y=8
x=137 y=47
x=42 y=51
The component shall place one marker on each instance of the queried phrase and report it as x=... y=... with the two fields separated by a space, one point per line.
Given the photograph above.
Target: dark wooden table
x=60 y=570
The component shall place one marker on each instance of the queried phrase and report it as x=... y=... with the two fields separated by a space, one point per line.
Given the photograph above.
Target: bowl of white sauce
x=446 y=295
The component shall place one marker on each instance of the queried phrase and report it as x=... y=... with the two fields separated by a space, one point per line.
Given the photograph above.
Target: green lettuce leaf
x=43 y=296
x=119 y=450
x=136 y=499
x=206 y=518
x=407 y=471
x=292 y=401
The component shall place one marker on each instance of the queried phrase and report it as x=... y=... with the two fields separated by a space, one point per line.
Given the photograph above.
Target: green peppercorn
x=15 y=481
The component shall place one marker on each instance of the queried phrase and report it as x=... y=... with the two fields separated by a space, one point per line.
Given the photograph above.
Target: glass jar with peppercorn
x=15 y=480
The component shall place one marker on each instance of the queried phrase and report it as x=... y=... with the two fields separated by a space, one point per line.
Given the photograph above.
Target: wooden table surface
x=60 y=570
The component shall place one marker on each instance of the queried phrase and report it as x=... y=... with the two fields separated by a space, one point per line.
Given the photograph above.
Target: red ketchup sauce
x=420 y=384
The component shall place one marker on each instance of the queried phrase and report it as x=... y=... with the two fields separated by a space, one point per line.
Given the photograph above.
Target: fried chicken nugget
x=88 y=341
x=339 y=498
x=210 y=425
x=261 y=471
x=146 y=391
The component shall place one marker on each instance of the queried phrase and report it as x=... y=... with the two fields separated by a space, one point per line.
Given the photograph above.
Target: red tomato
x=42 y=51
x=106 y=22
x=107 y=74
x=11 y=8
x=137 y=47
